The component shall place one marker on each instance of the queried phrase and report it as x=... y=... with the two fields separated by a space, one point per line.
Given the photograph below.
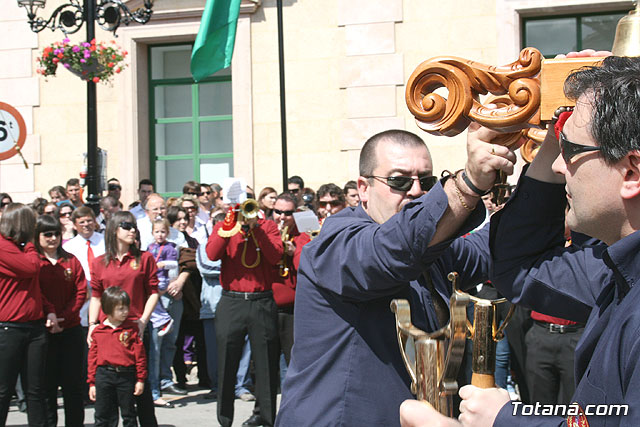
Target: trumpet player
x=286 y=275
x=250 y=249
x=345 y=368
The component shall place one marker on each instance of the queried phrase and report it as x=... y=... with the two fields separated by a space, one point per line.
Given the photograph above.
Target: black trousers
x=285 y=331
x=115 y=390
x=236 y=317
x=550 y=365
x=195 y=328
x=23 y=350
x=64 y=369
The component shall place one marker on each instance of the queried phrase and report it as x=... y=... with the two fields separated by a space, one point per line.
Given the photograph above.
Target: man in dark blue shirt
x=596 y=168
x=346 y=368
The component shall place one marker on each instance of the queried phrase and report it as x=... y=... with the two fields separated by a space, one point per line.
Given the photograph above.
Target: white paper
x=234 y=190
x=306 y=221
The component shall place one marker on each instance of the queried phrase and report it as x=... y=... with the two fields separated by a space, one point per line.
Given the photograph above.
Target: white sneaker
x=247 y=397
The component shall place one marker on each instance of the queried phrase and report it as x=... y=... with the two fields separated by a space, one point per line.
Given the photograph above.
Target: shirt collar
x=623 y=257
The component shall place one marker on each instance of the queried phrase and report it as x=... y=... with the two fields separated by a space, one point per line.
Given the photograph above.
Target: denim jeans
x=243 y=379
x=162 y=349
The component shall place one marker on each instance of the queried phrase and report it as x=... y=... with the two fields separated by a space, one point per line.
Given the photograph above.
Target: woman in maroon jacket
x=23 y=337
x=63 y=284
x=125 y=266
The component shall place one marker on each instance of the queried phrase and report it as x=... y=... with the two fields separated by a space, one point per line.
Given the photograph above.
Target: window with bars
x=191 y=134
x=553 y=35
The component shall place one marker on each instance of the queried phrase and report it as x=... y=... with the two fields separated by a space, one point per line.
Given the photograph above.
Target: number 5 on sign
x=13 y=133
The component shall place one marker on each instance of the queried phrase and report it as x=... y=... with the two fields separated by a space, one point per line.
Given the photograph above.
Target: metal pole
x=283 y=109
x=92 y=200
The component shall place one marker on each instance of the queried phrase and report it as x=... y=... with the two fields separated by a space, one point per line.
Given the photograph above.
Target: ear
x=363 y=189
x=630 y=169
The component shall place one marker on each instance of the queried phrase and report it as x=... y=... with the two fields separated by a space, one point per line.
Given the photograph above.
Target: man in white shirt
x=85 y=246
x=145 y=189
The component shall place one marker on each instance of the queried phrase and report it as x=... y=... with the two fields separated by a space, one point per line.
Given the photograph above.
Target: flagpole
x=283 y=109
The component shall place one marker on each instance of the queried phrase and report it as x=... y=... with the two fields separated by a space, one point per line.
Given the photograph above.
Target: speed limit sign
x=13 y=131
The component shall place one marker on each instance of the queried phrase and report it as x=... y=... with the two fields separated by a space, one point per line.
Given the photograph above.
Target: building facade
x=346 y=65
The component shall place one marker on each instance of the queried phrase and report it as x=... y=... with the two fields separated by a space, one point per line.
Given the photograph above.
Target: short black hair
x=113 y=297
x=350 y=185
x=613 y=90
x=145 y=181
x=295 y=179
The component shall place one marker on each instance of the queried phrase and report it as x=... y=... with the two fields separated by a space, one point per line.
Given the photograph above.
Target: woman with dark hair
x=266 y=201
x=5 y=199
x=179 y=219
x=136 y=273
x=63 y=284
x=63 y=214
x=24 y=314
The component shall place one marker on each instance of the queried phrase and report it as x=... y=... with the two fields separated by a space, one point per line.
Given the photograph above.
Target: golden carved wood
x=526 y=93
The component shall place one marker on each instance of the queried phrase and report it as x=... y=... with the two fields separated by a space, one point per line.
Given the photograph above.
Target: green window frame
x=195 y=119
x=573 y=27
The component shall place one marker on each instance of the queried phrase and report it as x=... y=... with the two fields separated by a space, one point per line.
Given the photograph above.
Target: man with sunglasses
x=595 y=168
x=346 y=368
x=330 y=200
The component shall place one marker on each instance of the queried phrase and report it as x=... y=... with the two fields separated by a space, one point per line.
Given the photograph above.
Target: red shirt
x=119 y=346
x=284 y=288
x=234 y=276
x=64 y=285
x=21 y=298
x=138 y=279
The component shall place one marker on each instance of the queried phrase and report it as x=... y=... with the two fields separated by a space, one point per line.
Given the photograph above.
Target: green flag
x=213 y=48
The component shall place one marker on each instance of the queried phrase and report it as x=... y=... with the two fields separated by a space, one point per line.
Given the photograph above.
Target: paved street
x=190 y=410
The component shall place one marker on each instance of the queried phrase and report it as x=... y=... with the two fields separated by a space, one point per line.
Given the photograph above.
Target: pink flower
x=76 y=48
x=65 y=40
x=66 y=65
x=83 y=60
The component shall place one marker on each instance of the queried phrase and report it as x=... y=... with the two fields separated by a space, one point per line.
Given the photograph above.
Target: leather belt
x=554 y=328
x=119 y=368
x=247 y=295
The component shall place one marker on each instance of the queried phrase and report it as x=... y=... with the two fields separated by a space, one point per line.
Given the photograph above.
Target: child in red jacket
x=117 y=362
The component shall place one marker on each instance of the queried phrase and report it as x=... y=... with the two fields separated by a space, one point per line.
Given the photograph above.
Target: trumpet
x=283 y=270
x=249 y=209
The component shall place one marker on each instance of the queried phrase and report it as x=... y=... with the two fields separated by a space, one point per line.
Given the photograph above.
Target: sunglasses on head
x=50 y=234
x=285 y=213
x=570 y=149
x=404 y=183
x=125 y=225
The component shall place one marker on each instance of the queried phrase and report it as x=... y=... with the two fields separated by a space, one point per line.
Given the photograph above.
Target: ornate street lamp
x=68 y=18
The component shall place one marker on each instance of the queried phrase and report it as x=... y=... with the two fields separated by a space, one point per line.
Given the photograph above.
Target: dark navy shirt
x=346 y=368
x=594 y=284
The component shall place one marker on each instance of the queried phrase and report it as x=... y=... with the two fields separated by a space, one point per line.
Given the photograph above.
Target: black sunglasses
x=285 y=213
x=51 y=234
x=206 y=193
x=125 y=225
x=294 y=190
x=195 y=194
x=404 y=183
x=113 y=187
x=570 y=149
x=65 y=213
x=334 y=203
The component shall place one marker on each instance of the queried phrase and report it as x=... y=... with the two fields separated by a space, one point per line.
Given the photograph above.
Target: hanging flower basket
x=90 y=61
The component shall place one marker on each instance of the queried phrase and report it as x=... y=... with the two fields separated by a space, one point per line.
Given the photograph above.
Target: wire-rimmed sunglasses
x=404 y=183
